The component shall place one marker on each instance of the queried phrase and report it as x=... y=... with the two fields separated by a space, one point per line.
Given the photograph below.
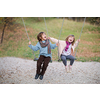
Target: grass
x=16 y=42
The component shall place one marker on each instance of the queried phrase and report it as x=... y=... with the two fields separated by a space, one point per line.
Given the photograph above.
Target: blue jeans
x=64 y=59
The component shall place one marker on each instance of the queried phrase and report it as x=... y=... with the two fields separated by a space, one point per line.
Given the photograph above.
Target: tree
x=94 y=20
x=6 y=21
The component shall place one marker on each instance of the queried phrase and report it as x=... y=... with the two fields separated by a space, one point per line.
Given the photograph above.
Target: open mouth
x=45 y=37
x=70 y=40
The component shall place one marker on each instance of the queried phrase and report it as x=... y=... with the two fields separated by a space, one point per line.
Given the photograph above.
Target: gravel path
x=22 y=71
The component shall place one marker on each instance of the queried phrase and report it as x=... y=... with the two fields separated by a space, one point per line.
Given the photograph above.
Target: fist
x=78 y=40
x=57 y=44
x=29 y=42
x=49 y=38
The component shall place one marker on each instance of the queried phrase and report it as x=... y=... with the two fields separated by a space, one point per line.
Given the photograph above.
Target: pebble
x=22 y=71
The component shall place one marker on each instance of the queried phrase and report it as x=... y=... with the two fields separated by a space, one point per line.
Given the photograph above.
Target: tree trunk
x=3 y=30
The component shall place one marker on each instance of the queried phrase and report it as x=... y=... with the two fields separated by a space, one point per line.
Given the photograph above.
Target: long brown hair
x=39 y=36
x=71 y=36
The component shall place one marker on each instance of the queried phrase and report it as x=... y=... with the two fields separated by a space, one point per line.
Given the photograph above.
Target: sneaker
x=36 y=76
x=41 y=77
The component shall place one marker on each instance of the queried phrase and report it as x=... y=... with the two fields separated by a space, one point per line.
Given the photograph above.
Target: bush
x=94 y=20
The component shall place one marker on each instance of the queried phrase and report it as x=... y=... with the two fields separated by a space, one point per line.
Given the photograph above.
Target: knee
x=73 y=58
x=38 y=63
x=63 y=58
x=45 y=65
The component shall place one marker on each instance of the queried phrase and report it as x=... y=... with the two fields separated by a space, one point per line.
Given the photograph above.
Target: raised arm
x=34 y=48
x=76 y=43
x=54 y=40
x=53 y=46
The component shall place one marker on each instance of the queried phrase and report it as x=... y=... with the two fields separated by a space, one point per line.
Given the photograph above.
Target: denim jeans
x=64 y=59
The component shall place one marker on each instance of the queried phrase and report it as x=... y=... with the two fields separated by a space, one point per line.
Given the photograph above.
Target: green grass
x=16 y=42
x=84 y=59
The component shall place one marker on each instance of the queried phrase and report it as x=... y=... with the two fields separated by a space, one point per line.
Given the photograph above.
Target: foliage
x=94 y=20
x=6 y=22
x=91 y=20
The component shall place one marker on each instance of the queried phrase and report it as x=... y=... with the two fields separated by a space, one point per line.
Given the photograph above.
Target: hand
x=78 y=40
x=48 y=38
x=57 y=44
x=29 y=42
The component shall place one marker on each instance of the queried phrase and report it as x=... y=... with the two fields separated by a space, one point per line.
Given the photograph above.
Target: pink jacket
x=62 y=45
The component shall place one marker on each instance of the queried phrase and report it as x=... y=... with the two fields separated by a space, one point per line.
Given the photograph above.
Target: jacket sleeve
x=34 y=48
x=53 y=46
x=75 y=45
x=54 y=40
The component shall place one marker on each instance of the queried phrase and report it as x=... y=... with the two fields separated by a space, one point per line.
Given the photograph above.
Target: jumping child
x=45 y=46
x=66 y=50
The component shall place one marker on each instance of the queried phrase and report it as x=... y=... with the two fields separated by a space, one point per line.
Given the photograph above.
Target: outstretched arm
x=53 y=40
x=34 y=48
x=53 y=46
x=76 y=43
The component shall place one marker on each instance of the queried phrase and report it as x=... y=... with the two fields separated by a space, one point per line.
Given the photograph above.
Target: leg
x=71 y=59
x=45 y=64
x=71 y=62
x=63 y=58
x=39 y=63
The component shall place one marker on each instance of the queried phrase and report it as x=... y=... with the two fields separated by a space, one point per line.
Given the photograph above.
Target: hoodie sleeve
x=75 y=45
x=54 y=40
x=61 y=46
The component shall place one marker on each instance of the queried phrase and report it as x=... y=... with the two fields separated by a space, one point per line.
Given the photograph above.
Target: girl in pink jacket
x=66 y=50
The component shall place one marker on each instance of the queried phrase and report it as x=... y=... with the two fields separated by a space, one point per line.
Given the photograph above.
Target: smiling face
x=43 y=37
x=70 y=39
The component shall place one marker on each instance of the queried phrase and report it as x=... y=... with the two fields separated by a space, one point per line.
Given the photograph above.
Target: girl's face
x=70 y=39
x=44 y=37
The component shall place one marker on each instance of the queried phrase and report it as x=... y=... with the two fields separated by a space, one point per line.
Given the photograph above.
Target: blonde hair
x=71 y=36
